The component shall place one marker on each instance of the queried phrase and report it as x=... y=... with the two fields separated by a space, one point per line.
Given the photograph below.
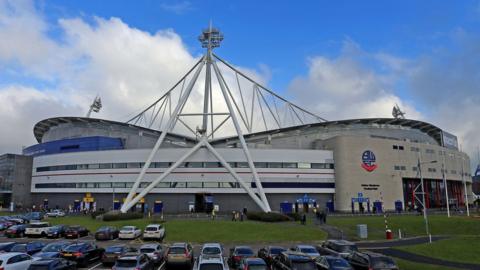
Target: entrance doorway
x=203 y=202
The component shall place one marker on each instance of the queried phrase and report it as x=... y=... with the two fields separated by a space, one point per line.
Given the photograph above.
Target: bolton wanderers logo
x=368 y=161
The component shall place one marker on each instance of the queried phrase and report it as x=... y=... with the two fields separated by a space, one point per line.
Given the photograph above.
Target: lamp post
x=425 y=217
x=465 y=187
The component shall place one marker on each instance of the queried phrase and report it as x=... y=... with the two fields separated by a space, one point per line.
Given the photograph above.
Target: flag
x=477 y=172
x=97 y=104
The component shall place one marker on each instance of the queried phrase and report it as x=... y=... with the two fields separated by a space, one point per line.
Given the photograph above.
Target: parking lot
x=133 y=243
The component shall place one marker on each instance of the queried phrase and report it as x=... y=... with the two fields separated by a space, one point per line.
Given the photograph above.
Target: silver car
x=134 y=262
x=154 y=251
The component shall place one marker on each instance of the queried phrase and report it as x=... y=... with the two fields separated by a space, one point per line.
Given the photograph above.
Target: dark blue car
x=52 y=250
x=56 y=231
x=29 y=248
x=7 y=246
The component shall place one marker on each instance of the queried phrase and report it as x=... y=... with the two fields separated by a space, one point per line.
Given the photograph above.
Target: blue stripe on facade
x=94 y=143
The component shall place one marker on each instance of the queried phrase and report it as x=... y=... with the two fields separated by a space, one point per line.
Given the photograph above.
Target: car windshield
x=55 y=228
x=38 y=225
x=126 y=263
x=147 y=250
x=53 y=247
x=304 y=266
x=337 y=262
x=14 y=227
x=176 y=250
x=211 y=250
x=382 y=262
x=73 y=248
x=19 y=248
x=73 y=228
x=151 y=229
x=257 y=267
x=276 y=251
x=308 y=250
x=211 y=266
x=347 y=248
x=103 y=229
x=244 y=251
x=114 y=249
x=127 y=228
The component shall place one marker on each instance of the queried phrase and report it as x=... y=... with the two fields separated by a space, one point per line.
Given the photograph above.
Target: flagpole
x=445 y=184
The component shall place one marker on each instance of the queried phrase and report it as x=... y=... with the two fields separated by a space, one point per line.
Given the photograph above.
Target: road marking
x=161 y=265
x=95 y=266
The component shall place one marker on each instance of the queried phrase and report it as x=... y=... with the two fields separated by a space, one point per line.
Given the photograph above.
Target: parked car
x=269 y=253
x=112 y=253
x=329 y=262
x=307 y=249
x=82 y=253
x=56 y=231
x=133 y=262
x=33 y=216
x=76 y=231
x=107 y=233
x=371 y=261
x=154 y=231
x=15 y=261
x=180 y=254
x=53 y=264
x=37 y=229
x=16 y=231
x=52 y=250
x=253 y=264
x=16 y=219
x=129 y=232
x=210 y=262
x=291 y=260
x=341 y=248
x=5 y=224
x=237 y=254
x=29 y=248
x=7 y=246
x=154 y=251
x=212 y=249
x=55 y=213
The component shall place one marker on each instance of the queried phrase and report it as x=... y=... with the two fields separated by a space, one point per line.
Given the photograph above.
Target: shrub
x=295 y=216
x=114 y=216
x=268 y=217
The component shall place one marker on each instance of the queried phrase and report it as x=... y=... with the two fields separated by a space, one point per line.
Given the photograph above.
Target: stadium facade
x=241 y=145
x=350 y=162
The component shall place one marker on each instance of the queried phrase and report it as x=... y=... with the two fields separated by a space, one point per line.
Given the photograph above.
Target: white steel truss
x=270 y=108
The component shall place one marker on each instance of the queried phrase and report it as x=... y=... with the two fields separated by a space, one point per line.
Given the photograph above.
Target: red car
x=76 y=232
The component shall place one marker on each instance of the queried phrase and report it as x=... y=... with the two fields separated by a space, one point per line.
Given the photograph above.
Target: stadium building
x=295 y=162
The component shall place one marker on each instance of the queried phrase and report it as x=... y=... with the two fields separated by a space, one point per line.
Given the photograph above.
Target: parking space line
x=161 y=266
x=95 y=266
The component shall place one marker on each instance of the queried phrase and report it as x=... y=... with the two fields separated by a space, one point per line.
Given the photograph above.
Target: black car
x=56 y=231
x=52 y=250
x=53 y=264
x=291 y=260
x=330 y=262
x=82 y=253
x=342 y=248
x=29 y=248
x=16 y=231
x=269 y=253
x=7 y=246
x=107 y=233
x=371 y=261
x=76 y=232
x=237 y=254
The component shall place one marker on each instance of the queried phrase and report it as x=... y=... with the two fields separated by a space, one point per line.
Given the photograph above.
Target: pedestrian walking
x=234 y=215
x=213 y=214
x=304 y=219
x=241 y=216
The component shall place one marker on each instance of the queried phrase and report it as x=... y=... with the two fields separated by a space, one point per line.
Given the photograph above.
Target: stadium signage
x=369 y=161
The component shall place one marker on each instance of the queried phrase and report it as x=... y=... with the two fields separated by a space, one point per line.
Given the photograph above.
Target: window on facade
x=453 y=172
x=118 y=184
x=162 y=164
x=105 y=185
x=319 y=166
x=91 y=185
x=144 y=184
x=129 y=184
x=260 y=164
x=194 y=184
x=179 y=185
x=403 y=168
x=429 y=151
x=395 y=147
x=396 y=168
x=415 y=168
x=93 y=166
x=194 y=165
x=213 y=165
x=242 y=164
x=229 y=185
x=290 y=165
x=163 y=185
x=400 y=147
x=133 y=165
x=210 y=184
x=414 y=149
x=105 y=165
x=274 y=165
x=304 y=165
x=119 y=165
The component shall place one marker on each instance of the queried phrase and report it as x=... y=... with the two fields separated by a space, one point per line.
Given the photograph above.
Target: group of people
x=239 y=215
x=321 y=216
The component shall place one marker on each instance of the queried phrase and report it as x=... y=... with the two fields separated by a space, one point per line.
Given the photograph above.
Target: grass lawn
x=406 y=265
x=410 y=225
x=218 y=230
x=459 y=249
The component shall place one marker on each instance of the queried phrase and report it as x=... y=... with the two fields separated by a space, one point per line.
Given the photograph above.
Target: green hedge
x=121 y=216
x=268 y=217
x=295 y=216
x=97 y=213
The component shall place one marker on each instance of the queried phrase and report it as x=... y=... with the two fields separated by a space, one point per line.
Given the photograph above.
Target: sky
x=339 y=59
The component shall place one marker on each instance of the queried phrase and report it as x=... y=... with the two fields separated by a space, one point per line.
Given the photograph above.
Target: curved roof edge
x=43 y=126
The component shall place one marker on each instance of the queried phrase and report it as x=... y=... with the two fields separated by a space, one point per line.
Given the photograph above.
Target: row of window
x=427 y=151
x=432 y=170
x=183 y=185
x=137 y=165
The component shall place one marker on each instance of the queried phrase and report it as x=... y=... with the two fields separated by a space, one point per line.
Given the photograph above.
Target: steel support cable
x=271 y=112
x=243 y=102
